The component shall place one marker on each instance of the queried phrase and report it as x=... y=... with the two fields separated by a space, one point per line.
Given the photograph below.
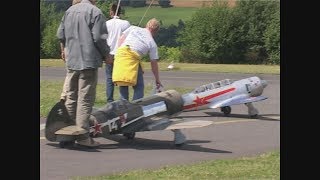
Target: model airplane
x=156 y=112
x=223 y=94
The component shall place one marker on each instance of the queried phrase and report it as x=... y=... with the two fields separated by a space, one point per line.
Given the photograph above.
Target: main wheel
x=226 y=110
x=129 y=135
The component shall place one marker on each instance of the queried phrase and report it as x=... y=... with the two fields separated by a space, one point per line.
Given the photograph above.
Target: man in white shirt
x=136 y=42
x=115 y=27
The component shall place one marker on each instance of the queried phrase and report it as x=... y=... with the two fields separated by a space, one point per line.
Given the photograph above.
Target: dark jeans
x=109 y=83
x=138 y=89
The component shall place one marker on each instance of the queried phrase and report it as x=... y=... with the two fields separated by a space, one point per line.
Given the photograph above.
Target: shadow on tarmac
x=122 y=142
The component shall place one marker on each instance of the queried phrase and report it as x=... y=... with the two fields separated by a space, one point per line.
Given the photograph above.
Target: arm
x=121 y=39
x=155 y=70
x=62 y=51
x=99 y=34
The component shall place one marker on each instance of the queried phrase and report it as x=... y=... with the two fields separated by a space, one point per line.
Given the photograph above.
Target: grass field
x=215 y=68
x=265 y=166
x=167 y=16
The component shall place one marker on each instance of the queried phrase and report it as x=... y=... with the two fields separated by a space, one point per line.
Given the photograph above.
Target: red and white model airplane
x=223 y=94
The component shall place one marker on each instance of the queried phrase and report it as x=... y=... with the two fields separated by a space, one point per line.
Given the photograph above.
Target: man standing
x=134 y=43
x=115 y=28
x=82 y=34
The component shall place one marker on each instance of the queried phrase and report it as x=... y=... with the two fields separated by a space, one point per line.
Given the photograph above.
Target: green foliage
x=167 y=36
x=208 y=36
x=47 y=15
x=272 y=39
x=169 y=54
x=50 y=43
x=253 y=18
x=104 y=5
x=220 y=34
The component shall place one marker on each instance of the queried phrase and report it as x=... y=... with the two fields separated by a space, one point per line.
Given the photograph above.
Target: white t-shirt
x=115 y=27
x=140 y=40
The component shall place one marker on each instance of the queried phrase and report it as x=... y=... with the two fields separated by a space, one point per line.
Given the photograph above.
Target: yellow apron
x=125 y=67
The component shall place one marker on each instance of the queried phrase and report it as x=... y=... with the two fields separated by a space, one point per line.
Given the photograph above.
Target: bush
x=272 y=39
x=50 y=44
x=170 y=54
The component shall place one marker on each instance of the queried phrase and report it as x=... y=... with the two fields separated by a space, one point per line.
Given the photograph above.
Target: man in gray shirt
x=82 y=34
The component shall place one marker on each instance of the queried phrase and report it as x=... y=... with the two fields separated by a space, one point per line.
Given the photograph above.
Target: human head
x=113 y=9
x=76 y=2
x=153 y=26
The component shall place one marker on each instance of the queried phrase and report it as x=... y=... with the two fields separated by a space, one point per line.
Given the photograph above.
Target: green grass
x=265 y=166
x=167 y=16
x=50 y=94
x=218 y=68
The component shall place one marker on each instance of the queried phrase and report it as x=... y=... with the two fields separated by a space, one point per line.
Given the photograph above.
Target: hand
x=109 y=59
x=158 y=84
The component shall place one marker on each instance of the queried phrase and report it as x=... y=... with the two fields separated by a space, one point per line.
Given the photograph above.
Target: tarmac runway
x=228 y=137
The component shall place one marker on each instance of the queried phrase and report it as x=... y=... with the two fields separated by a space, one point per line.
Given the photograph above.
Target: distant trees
x=247 y=33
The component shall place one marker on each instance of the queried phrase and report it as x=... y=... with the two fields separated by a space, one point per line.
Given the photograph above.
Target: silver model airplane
x=156 y=112
x=223 y=94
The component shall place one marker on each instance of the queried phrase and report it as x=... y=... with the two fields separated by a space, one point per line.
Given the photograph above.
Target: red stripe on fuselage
x=202 y=101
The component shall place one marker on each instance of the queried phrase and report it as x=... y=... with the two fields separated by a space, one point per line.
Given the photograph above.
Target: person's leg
x=71 y=89
x=124 y=92
x=139 y=87
x=86 y=98
x=109 y=83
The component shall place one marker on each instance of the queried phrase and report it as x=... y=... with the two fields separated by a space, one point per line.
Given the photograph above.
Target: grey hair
x=153 y=24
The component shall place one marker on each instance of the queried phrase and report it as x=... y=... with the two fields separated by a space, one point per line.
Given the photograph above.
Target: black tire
x=226 y=110
x=129 y=135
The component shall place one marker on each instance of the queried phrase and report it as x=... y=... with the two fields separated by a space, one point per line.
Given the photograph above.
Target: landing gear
x=226 y=110
x=129 y=135
x=66 y=144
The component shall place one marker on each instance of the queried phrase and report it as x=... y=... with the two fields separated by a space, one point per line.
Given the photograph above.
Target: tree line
x=247 y=33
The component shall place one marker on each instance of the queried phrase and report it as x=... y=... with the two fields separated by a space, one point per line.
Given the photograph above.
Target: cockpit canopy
x=211 y=86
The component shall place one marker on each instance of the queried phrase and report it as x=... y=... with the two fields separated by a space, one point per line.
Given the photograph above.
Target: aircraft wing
x=237 y=100
x=177 y=123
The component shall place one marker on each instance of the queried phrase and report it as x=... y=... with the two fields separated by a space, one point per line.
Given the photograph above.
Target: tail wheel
x=226 y=110
x=129 y=135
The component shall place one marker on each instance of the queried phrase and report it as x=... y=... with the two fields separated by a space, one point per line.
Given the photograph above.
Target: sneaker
x=179 y=137
x=89 y=142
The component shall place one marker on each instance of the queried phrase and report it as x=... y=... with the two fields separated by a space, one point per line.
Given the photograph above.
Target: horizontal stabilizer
x=177 y=123
x=237 y=100
x=189 y=124
x=71 y=130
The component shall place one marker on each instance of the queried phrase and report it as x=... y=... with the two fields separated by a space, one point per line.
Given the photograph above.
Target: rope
x=145 y=12
x=117 y=8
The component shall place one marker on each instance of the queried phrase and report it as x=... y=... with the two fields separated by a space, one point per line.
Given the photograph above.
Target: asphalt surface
x=228 y=137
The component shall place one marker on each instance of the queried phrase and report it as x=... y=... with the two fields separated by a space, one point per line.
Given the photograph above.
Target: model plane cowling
x=223 y=94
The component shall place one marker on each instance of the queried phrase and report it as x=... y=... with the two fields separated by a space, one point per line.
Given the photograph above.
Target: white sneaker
x=179 y=137
x=89 y=142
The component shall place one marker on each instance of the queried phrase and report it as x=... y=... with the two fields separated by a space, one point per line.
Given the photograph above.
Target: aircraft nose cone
x=264 y=83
